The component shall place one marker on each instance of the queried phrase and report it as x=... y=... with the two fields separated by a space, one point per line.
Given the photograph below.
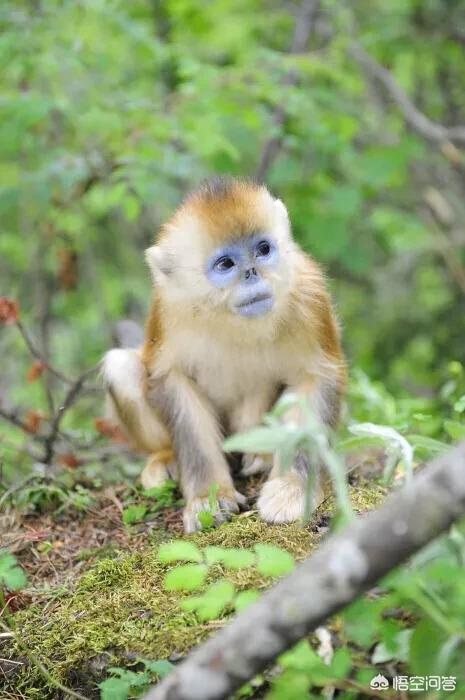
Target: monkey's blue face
x=241 y=268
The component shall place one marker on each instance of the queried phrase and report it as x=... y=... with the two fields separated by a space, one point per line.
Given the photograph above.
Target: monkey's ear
x=281 y=211
x=158 y=261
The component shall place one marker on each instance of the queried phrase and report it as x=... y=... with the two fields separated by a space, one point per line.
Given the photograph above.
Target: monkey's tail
x=124 y=376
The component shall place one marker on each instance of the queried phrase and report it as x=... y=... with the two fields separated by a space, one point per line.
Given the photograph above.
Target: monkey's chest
x=227 y=372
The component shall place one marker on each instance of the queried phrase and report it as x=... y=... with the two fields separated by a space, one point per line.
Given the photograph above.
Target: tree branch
x=419 y=122
x=12 y=416
x=35 y=352
x=302 y=30
x=344 y=566
x=71 y=396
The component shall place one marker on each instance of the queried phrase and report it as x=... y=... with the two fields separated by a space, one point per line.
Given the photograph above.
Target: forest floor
x=96 y=597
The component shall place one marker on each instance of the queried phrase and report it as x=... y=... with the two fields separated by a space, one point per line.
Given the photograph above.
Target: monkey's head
x=228 y=249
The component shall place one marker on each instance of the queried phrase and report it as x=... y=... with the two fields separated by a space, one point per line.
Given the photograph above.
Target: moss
x=120 y=610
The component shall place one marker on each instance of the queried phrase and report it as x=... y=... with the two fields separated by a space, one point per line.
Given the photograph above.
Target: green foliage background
x=111 y=111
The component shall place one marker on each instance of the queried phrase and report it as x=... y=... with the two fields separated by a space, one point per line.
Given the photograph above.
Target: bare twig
x=12 y=417
x=452 y=261
x=442 y=224
x=35 y=352
x=303 y=28
x=70 y=397
x=344 y=566
x=419 y=122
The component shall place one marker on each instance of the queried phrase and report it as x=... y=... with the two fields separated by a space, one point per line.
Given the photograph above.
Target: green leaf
x=425 y=644
x=262 y=440
x=212 y=497
x=114 y=689
x=132 y=678
x=273 y=561
x=362 y=621
x=455 y=429
x=186 y=578
x=231 y=558
x=341 y=663
x=290 y=685
x=211 y=604
x=398 y=651
x=244 y=599
x=206 y=519
x=164 y=495
x=11 y=575
x=162 y=668
x=179 y=550
x=301 y=658
x=132 y=514
x=427 y=444
x=399 y=447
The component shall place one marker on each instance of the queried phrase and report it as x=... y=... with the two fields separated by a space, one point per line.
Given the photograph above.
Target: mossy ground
x=119 y=610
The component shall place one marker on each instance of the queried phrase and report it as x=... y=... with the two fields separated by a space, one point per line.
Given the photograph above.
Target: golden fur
x=220 y=369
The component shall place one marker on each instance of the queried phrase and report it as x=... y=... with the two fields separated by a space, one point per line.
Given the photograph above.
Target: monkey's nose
x=251 y=272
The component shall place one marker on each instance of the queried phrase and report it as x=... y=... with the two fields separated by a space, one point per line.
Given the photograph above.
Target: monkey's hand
x=255 y=464
x=227 y=503
x=283 y=499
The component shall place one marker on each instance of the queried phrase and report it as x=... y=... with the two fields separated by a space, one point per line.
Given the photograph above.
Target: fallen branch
x=419 y=122
x=346 y=565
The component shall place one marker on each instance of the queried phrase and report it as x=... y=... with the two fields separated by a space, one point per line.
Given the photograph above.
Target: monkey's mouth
x=257 y=305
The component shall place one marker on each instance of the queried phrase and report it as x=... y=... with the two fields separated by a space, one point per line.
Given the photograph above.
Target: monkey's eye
x=224 y=264
x=263 y=249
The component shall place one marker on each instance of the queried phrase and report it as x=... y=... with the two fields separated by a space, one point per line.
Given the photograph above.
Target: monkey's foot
x=254 y=464
x=282 y=500
x=226 y=506
x=156 y=473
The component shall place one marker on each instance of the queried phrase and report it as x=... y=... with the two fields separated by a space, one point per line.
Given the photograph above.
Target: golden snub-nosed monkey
x=240 y=314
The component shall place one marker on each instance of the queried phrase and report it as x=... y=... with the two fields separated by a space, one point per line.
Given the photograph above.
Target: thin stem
x=35 y=352
x=69 y=399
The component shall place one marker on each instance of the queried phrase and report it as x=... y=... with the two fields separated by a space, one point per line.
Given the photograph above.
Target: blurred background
x=351 y=113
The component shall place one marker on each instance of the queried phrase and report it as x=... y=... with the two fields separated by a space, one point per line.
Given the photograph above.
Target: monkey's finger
x=226 y=507
x=242 y=500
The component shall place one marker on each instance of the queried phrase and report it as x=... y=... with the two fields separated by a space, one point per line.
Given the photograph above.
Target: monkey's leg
x=124 y=376
x=197 y=444
x=284 y=496
x=159 y=467
x=248 y=414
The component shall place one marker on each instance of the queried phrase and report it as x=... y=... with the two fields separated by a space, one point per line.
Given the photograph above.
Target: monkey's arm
x=197 y=443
